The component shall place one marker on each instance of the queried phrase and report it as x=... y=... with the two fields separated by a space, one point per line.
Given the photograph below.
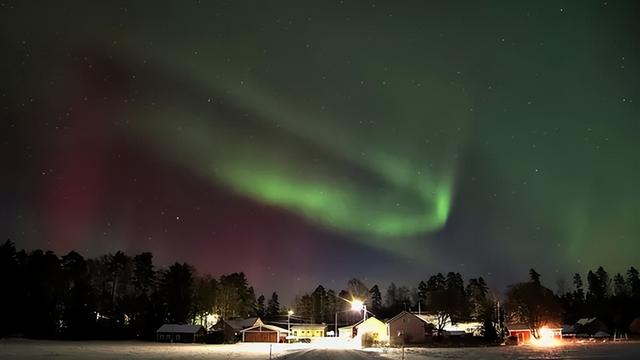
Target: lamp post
x=289 y=313
x=335 y=334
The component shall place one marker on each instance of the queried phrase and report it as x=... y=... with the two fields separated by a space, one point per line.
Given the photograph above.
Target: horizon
x=288 y=301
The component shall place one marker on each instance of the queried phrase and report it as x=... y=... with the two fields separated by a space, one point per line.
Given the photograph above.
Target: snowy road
x=22 y=349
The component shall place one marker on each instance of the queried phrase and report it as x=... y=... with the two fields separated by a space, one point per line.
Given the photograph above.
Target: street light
x=359 y=305
x=356 y=305
x=289 y=313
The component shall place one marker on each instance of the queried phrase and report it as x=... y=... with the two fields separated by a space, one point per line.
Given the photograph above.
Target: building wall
x=524 y=336
x=261 y=336
x=407 y=329
x=307 y=331
x=177 y=337
x=374 y=328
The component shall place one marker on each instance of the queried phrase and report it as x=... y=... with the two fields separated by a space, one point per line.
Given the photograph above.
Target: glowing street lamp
x=359 y=305
x=356 y=305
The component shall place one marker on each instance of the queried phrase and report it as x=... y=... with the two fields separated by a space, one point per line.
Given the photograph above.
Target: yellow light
x=357 y=305
x=290 y=312
x=546 y=338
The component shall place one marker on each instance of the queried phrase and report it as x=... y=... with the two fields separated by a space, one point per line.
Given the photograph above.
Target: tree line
x=122 y=296
x=111 y=296
x=448 y=299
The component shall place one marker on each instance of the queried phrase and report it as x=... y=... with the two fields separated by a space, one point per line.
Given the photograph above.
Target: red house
x=523 y=334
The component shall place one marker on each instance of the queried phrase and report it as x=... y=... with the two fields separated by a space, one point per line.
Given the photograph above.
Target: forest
x=118 y=296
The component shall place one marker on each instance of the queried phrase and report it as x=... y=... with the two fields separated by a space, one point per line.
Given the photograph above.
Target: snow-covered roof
x=518 y=327
x=181 y=329
x=429 y=319
x=266 y=326
x=467 y=327
x=585 y=321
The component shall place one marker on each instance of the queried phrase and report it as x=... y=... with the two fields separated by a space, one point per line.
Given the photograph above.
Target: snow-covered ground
x=626 y=351
x=36 y=349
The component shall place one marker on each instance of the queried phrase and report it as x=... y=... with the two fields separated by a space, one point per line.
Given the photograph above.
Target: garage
x=261 y=332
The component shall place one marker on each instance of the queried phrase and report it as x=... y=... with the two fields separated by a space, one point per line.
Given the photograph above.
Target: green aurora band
x=316 y=170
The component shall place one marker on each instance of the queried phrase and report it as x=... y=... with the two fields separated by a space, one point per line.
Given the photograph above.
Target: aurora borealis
x=309 y=143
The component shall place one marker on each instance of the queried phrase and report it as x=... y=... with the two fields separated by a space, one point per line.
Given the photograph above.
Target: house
x=181 y=333
x=366 y=332
x=407 y=328
x=223 y=332
x=308 y=331
x=261 y=332
x=523 y=335
x=589 y=326
x=229 y=330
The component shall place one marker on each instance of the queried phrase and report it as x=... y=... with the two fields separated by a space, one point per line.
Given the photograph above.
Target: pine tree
x=273 y=306
x=260 y=308
x=376 y=299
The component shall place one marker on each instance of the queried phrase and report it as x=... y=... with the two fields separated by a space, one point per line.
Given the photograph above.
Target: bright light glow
x=357 y=305
x=546 y=338
x=290 y=312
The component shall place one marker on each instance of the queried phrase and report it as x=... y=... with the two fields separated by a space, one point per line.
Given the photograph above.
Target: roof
x=522 y=327
x=181 y=329
x=266 y=326
x=518 y=327
x=585 y=321
x=429 y=319
x=402 y=314
x=241 y=323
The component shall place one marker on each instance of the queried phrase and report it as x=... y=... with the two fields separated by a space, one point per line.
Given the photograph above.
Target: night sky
x=312 y=142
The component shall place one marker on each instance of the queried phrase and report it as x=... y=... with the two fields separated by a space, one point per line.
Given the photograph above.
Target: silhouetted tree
x=206 y=289
x=404 y=298
x=145 y=315
x=456 y=298
x=43 y=288
x=319 y=301
x=437 y=302
x=144 y=275
x=12 y=284
x=392 y=300
x=375 y=299
x=273 y=306
x=534 y=276
x=532 y=304
x=260 y=308
x=421 y=301
x=78 y=311
x=477 y=291
x=236 y=297
x=178 y=289
x=358 y=289
x=331 y=307
x=304 y=307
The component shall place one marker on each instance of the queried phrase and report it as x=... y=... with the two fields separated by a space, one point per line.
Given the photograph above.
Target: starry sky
x=313 y=142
